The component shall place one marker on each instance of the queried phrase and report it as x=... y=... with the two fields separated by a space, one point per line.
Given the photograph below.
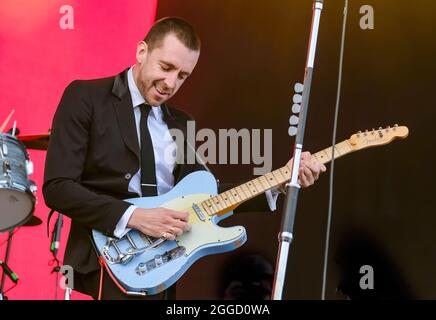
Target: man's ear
x=141 y=52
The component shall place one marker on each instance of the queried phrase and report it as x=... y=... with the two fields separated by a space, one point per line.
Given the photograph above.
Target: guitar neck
x=230 y=199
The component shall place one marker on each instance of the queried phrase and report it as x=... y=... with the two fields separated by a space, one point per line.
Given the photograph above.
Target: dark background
x=252 y=54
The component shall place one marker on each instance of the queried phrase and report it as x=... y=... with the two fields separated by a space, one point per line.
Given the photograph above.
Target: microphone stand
x=289 y=211
x=54 y=247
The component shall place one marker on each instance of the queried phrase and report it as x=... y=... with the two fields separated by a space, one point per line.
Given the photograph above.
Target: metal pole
x=289 y=211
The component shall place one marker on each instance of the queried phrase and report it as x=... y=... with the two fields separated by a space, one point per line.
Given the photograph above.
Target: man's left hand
x=309 y=171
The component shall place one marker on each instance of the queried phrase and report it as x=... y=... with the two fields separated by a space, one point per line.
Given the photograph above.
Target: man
x=107 y=143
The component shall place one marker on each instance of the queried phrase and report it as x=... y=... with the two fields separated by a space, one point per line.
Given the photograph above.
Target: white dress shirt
x=162 y=141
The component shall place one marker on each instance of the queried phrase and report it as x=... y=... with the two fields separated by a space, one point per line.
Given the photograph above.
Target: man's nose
x=171 y=80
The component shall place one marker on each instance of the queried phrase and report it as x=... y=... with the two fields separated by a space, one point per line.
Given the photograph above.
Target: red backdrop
x=38 y=58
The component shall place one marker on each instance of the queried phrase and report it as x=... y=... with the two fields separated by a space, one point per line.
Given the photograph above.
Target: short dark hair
x=182 y=29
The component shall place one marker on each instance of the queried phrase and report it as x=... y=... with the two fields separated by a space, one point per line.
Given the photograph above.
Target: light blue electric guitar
x=142 y=265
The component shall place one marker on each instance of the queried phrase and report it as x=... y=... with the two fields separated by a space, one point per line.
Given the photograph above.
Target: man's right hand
x=160 y=222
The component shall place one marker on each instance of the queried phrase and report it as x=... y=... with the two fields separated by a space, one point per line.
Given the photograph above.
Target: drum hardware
x=5 y=123
x=17 y=191
x=6 y=270
x=36 y=141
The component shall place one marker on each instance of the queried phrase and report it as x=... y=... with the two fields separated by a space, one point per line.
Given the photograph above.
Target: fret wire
x=271 y=178
x=242 y=191
x=221 y=196
x=251 y=191
x=268 y=186
x=278 y=180
x=258 y=184
x=213 y=205
x=218 y=203
x=328 y=154
x=346 y=146
x=229 y=195
x=280 y=172
x=209 y=202
x=319 y=156
x=238 y=198
x=247 y=190
x=237 y=194
x=205 y=207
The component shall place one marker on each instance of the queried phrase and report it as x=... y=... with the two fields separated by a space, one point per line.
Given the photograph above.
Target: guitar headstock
x=374 y=138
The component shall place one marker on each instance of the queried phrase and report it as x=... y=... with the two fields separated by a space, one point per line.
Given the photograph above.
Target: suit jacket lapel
x=125 y=114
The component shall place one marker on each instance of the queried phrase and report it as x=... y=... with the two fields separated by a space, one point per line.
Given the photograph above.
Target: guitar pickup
x=198 y=212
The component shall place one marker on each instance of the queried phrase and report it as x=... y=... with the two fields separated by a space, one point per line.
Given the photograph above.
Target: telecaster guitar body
x=155 y=269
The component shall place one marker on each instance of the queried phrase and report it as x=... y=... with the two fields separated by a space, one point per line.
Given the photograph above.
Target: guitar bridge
x=125 y=257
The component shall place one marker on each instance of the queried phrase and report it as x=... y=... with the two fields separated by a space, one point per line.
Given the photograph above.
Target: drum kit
x=17 y=190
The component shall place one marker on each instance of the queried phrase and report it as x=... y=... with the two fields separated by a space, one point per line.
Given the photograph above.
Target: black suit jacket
x=92 y=155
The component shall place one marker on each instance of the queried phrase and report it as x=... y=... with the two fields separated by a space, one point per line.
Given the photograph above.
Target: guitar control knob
x=158 y=260
x=141 y=268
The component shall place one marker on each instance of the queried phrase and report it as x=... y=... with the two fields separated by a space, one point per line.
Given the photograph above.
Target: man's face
x=161 y=72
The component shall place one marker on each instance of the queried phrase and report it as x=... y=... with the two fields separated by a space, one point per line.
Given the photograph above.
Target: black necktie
x=148 y=171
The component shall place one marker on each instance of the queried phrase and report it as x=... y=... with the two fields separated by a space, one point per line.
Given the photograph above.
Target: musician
x=107 y=143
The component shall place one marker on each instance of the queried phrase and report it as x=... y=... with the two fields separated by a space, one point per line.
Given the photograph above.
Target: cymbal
x=36 y=141
x=34 y=221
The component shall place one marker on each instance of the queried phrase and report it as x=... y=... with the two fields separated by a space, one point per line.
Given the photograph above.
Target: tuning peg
x=373 y=131
x=297 y=98
x=296 y=108
x=380 y=128
x=292 y=131
x=298 y=87
x=293 y=120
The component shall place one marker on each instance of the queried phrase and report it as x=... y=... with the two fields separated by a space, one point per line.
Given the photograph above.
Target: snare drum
x=17 y=199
